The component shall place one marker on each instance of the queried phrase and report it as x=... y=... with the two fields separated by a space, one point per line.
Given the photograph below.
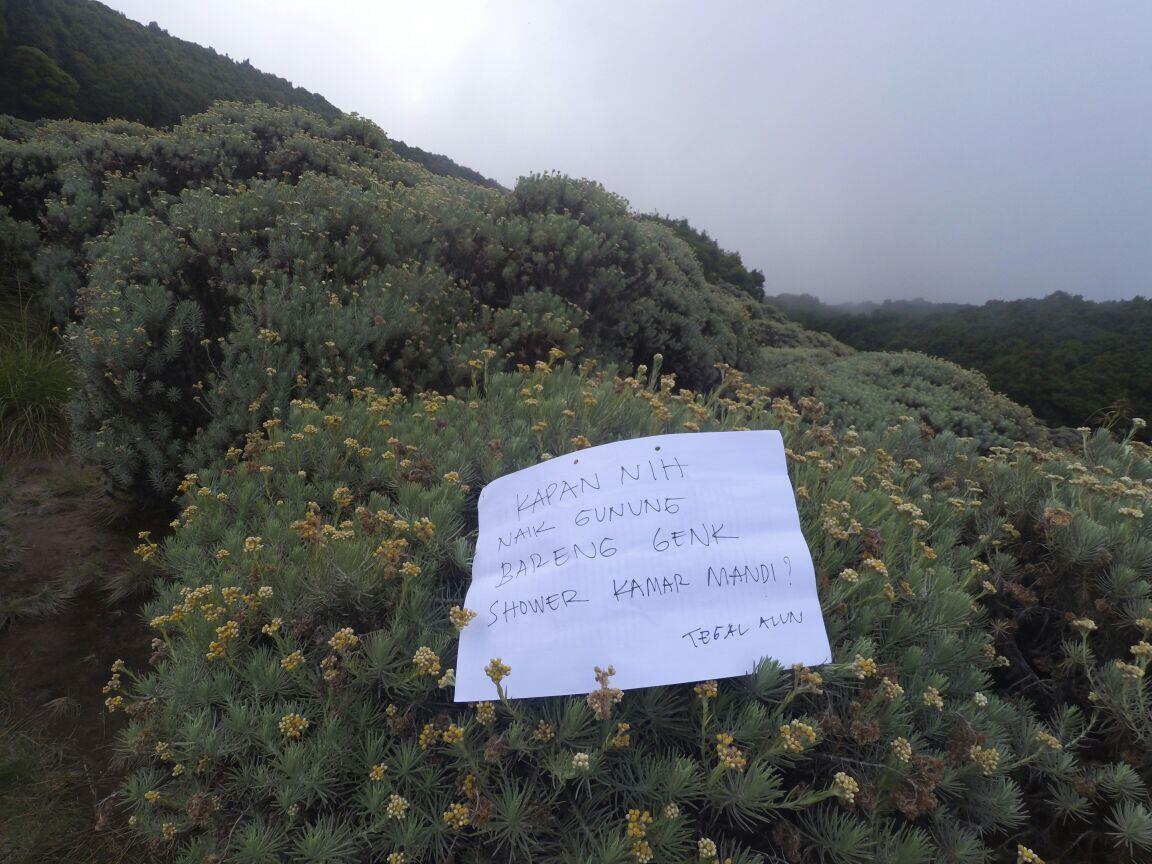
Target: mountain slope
x=78 y=58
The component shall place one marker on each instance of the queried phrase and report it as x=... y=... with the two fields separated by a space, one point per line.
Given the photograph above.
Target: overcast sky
x=852 y=150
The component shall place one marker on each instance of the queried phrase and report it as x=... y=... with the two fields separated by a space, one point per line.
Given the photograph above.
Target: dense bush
x=645 y=291
x=300 y=702
x=1070 y=594
x=192 y=261
x=719 y=264
x=869 y=389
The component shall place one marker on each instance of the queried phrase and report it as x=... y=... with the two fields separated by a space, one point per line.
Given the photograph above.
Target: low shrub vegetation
x=301 y=695
x=325 y=352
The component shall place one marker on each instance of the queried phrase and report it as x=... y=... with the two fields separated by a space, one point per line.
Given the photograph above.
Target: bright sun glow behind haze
x=853 y=150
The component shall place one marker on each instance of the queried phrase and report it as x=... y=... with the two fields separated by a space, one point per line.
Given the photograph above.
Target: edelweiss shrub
x=197 y=327
x=72 y=180
x=870 y=390
x=643 y=286
x=300 y=701
x=169 y=249
x=1068 y=537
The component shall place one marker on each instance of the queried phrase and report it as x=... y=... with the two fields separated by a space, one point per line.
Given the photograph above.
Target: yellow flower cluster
x=460 y=617
x=292 y=661
x=391 y=551
x=622 y=739
x=707 y=849
x=293 y=725
x=423 y=528
x=902 y=749
x=837 y=516
x=845 y=787
x=1129 y=670
x=864 y=667
x=731 y=757
x=429 y=735
x=485 y=713
x=344 y=640
x=605 y=697
x=544 y=732
x=147 y=550
x=636 y=830
x=808 y=680
x=1048 y=740
x=706 y=689
x=397 y=807
x=988 y=758
x=932 y=698
x=426 y=660
x=1024 y=855
x=378 y=771
x=342 y=495
x=796 y=735
x=458 y=816
x=638 y=822
x=225 y=634
x=890 y=690
x=497 y=670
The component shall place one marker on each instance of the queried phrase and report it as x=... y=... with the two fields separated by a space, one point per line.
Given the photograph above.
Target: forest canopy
x=1074 y=362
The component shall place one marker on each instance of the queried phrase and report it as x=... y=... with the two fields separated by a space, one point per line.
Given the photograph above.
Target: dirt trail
x=65 y=545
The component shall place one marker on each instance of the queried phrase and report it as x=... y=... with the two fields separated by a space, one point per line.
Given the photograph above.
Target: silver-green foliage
x=361 y=515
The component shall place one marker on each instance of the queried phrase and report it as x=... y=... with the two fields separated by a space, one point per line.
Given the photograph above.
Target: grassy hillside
x=1073 y=361
x=78 y=58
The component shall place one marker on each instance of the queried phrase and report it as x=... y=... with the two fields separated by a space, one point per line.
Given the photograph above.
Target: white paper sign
x=674 y=558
